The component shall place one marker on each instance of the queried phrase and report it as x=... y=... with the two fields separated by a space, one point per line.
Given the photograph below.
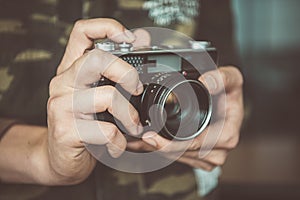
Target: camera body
x=174 y=103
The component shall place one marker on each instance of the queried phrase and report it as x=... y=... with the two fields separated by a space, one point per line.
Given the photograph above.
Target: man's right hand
x=72 y=101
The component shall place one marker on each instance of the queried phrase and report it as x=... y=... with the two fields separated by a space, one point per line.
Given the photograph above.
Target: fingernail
x=211 y=83
x=129 y=35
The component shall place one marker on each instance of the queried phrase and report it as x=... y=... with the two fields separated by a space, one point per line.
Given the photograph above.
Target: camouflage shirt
x=33 y=35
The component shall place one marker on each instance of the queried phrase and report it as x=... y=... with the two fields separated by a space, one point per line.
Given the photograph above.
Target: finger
x=225 y=78
x=209 y=137
x=89 y=68
x=216 y=157
x=196 y=163
x=234 y=109
x=219 y=135
x=140 y=146
x=163 y=144
x=143 y=38
x=100 y=99
x=223 y=134
x=100 y=133
x=85 y=31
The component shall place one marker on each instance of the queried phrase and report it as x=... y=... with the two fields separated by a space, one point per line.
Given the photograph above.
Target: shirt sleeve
x=207 y=181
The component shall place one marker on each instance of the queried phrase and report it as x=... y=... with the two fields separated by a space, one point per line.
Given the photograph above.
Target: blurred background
x=266 y=164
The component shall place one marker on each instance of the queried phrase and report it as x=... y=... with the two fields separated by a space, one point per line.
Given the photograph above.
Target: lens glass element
x=187 y=110
x=172 y=106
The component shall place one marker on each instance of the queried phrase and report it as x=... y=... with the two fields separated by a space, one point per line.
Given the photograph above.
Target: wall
x=266 y=163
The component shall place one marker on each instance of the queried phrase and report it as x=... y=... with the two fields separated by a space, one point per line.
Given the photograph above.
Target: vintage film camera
x=174 y=103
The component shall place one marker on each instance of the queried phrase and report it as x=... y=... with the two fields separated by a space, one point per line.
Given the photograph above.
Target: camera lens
x=190 y=110
x=176 y=108
x=172 y=106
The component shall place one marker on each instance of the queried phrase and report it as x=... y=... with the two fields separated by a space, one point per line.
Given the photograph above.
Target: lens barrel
x=175 y=107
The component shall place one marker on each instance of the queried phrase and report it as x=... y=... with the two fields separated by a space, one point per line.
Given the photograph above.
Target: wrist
x=50 y=169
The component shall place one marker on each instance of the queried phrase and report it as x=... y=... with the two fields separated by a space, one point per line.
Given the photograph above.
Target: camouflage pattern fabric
x=33 y=35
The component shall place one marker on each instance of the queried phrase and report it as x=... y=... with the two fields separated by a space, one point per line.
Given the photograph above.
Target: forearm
x=24 y=156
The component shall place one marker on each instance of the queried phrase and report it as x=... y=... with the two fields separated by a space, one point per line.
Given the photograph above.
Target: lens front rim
x=162 y=102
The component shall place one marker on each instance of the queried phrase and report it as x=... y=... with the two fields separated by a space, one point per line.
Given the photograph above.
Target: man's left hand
x=227 y=139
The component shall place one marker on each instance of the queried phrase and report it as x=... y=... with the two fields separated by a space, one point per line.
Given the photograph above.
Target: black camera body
x=174 y=103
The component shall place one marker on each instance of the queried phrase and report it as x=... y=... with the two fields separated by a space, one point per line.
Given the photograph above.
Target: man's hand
x=72 y=101
x=228 y=138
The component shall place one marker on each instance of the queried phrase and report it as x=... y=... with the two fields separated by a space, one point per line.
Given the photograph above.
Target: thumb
x=221 y=80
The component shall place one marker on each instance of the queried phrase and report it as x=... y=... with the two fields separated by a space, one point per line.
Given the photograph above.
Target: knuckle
x=108 y=91
x=113 y=100
x=105 y=94
x=111 y=132
x=239 y=76
x=62 y=131
x=59 y=131
x=130 y=75
x=79 y=25
x=93 y=59
x=99 y=61
x=59 y=108
x=115 y=24
x=232 y=74
x=111 y=21
x=54 y=83
x=53 y=104
x=231 y=142
x=95 y=55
